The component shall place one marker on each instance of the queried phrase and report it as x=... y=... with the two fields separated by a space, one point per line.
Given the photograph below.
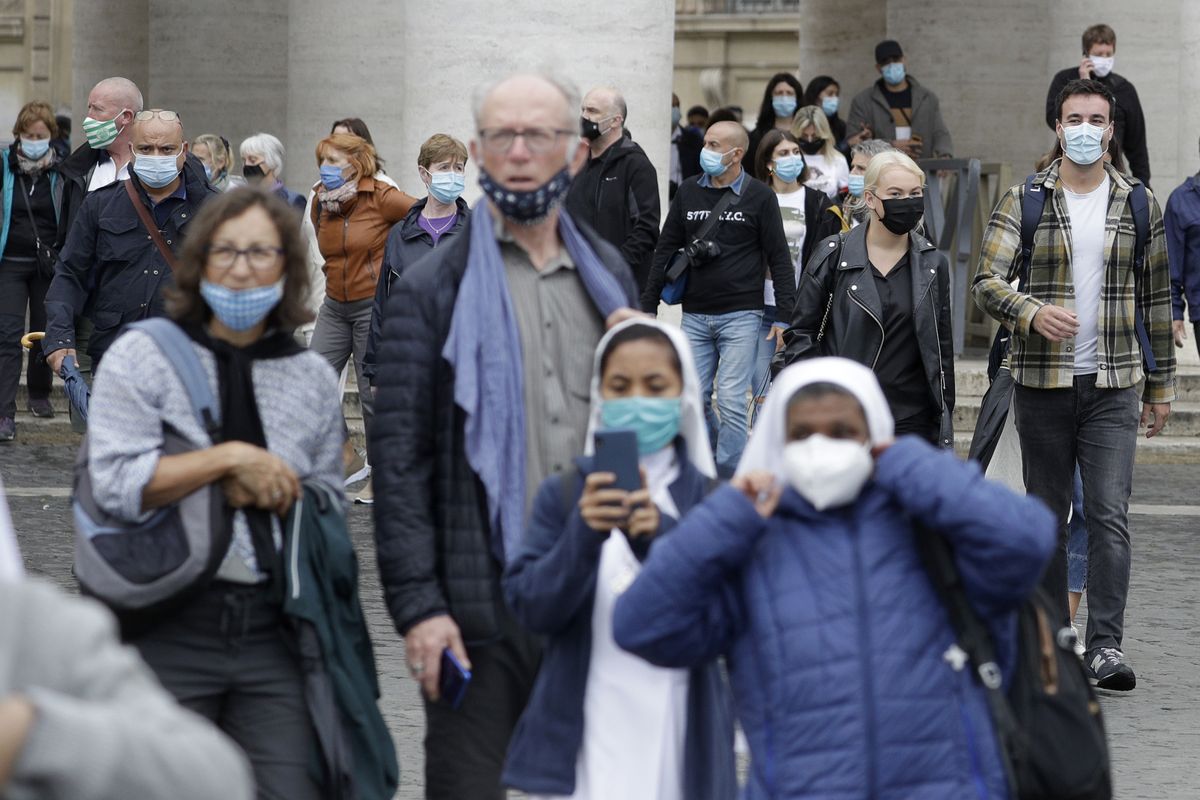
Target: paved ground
x=1154 y=732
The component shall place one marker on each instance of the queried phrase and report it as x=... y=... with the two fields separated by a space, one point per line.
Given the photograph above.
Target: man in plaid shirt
x=1076 y=358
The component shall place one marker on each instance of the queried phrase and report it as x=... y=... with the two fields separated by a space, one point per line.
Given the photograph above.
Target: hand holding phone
x=604 y=504
x=453 y=680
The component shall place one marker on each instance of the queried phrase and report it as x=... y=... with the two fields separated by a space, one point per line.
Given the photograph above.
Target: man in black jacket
x=616 y=192
x=723 y=304
x=450 y=497
x=110 y=270
x=1129 y=125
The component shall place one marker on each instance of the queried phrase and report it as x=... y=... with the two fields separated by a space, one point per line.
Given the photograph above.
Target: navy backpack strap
x=177 y=347
x=1140 y=206
x=1033 y=202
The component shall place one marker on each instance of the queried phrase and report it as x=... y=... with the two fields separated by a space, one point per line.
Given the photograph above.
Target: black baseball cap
x=887 y=50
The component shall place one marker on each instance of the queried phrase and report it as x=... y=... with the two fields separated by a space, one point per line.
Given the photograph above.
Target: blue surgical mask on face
x=241 y=309
x=788 y=168
x=1083 y=143
x=35 y=148
x=713 y=163
x=857 y=184
x=655 y=419
x=893 y=73
x=784 y=105
x=332 y=176
x=156 y=171
x=446 y=186
x=676 y=115
x=207 y=171
x=830 y=105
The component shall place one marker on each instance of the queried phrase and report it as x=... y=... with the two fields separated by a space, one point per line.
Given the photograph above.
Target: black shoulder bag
x=46 y=255
x=677 y=266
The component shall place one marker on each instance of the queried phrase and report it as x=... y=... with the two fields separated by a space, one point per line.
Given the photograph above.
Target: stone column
x=111 y=39
x=221 y=64
x=628 y=44
x=838 y=39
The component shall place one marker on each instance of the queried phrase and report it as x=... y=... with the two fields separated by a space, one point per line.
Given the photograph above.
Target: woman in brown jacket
x=352 y=215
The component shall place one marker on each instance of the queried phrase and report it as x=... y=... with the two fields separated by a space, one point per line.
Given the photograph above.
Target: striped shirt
x=1040 y=363
x=559 y=328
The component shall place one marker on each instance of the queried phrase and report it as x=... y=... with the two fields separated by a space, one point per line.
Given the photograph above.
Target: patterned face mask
x=528 y=207
x=241 y=309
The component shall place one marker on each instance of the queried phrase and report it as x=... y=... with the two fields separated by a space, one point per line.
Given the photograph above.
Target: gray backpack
x=144 y=566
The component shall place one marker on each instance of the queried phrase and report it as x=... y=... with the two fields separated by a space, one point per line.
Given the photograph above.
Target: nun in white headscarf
x=805 y=574
x=602 y=723
x=11 y=568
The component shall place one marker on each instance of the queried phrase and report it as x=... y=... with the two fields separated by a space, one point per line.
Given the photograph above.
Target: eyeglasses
x=165 y=116
x=259 y=256
x=538 y=140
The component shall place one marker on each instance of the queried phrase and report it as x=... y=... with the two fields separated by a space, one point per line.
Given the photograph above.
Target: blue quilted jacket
x=839 y=651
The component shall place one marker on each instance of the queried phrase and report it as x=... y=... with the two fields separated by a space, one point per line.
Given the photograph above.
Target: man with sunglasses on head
x=483 y=385
x=118 y=255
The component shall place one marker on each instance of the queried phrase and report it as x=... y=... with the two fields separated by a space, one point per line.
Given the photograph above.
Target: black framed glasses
x=258 y=256
x=539 y=140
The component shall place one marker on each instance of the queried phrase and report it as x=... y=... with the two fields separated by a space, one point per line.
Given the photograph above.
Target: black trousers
x=226 y=657
x=22 y=289
x=465 y=748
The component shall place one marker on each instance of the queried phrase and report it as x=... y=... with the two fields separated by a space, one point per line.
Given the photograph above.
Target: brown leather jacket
x=352 y=242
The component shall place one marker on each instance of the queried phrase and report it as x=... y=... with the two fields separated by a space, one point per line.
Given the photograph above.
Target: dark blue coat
x=550 y=586
x=110 y=270
x=1182 y=221
x=835 y=639
x=407 y=241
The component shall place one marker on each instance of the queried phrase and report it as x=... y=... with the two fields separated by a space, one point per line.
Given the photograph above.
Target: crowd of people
x=607 y=541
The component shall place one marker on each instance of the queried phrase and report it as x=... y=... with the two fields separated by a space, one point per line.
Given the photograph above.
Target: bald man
x=450 y=506
x=110 y=269
x=616 y=192
x=723 y=306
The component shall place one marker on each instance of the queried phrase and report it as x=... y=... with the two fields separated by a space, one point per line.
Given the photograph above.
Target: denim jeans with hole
x=1096 y=428
x=725 y=348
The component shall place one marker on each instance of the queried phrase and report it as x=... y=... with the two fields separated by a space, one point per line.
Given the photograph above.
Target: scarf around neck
x=334 y=201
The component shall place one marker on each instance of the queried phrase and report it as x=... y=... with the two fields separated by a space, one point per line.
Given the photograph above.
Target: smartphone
x=453 y=680
x=617 y=452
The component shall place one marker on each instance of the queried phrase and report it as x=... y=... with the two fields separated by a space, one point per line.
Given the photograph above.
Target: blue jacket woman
x=842 y=660
x=602 y=723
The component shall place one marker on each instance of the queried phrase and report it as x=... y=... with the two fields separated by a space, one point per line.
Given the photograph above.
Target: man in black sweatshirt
x=1129 y=124
x=723 y=303
x=616 y=192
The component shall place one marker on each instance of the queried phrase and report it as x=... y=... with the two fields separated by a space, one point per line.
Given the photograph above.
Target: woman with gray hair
x=854 y=210
x=262 y=164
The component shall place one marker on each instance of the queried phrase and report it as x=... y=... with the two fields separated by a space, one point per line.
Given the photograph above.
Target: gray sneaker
x=1108 y=670
x=8 y=429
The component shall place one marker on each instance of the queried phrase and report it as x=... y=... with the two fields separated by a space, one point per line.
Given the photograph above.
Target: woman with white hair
x=880 y=295
x=827 y=168
x=806 y=575
x=262 y=165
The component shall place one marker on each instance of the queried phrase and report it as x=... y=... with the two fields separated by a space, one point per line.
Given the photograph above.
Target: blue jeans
x=725 y=347
x=766 y=351
x=1077 y=540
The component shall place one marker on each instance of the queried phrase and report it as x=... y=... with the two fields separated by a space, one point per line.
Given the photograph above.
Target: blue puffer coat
x=836 y=642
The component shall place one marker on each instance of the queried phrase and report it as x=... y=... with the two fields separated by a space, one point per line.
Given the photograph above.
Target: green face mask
x=101 y=133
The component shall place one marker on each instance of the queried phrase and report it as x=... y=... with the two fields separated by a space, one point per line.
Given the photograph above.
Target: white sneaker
x=365 y=496
x=1080 y=650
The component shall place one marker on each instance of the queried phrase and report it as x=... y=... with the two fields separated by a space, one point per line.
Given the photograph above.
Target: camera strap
x=714 y=217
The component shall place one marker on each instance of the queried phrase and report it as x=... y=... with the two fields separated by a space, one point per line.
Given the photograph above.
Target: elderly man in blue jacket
x=1182 y=221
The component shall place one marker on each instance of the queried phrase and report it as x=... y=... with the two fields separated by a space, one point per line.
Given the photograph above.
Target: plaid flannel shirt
x=1040 y=363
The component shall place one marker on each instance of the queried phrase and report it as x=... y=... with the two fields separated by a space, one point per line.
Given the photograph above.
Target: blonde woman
x=880 y=295
x=214 y=154
x=827 y=168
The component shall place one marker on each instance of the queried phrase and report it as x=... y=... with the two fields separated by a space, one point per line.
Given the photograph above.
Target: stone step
x=970 y=380
x=1184 y=420
x=1161 y=449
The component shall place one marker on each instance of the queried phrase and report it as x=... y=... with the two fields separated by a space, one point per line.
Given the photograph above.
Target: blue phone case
x=453 y=680
x=617 y=452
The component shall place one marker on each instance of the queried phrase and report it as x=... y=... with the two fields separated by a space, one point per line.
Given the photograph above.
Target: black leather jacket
x=838 y=278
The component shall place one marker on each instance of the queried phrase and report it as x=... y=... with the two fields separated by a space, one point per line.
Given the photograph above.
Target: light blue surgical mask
x=830 y=105
x=676 y=115
x=784 y=105
x=34 y=149
x=857 y=184
x=655 y=419
x=241 y=309
x=332 y=176
x=446 y=186
x=1083 y=143
x=788 y=168
x=713 y=163
x=207 y=171
x=156 y=171
x=893 y=73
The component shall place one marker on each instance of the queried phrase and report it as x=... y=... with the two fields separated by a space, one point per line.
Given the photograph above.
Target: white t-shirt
x=1087 y=213
x=105 y=173
x=791 y=207
x=829 y=175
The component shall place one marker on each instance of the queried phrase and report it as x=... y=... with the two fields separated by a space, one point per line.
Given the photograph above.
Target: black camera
x=700 y=250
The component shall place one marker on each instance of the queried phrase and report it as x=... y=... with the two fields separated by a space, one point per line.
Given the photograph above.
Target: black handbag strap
x=829 y=301
x=37 y=239
x=714 y=217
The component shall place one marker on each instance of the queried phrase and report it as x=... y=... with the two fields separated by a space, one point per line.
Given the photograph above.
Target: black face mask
x=902 y=214
x=253 y=173
x=590 y=130
x=811 y=148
